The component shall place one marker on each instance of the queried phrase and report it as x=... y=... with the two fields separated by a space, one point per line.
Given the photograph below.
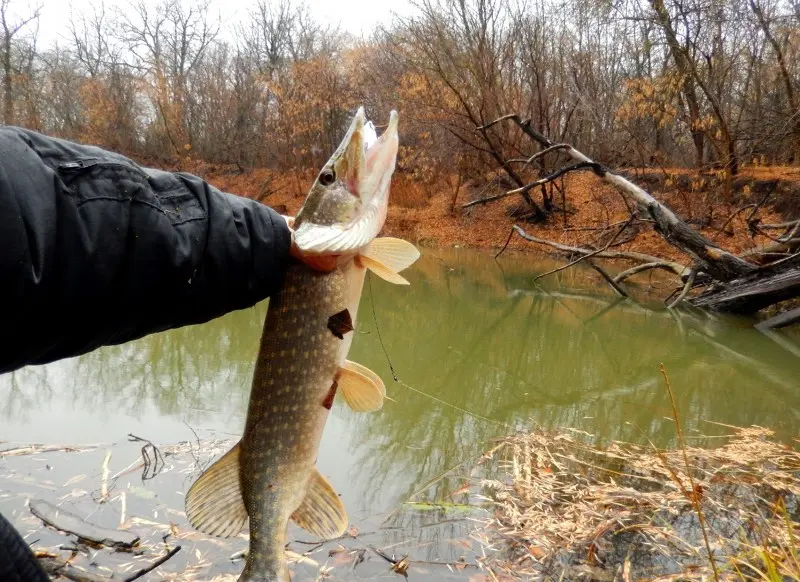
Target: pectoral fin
x=214 y=503
x=321 y=513
x=362 y=389
x=387 y=256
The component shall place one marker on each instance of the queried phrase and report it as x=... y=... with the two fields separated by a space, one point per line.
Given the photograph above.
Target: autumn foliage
x=632 y=83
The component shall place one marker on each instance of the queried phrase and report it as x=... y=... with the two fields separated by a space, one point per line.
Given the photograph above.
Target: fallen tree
x=726 y=281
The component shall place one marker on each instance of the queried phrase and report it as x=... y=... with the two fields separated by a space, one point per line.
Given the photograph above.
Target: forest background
x=697 y=98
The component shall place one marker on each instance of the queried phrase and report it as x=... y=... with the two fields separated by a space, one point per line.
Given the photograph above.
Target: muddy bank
x=431 y=213
x=568 y=510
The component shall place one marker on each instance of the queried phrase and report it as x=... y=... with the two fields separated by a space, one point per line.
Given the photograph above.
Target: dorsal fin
x=214 y=503
x=321 y=512
x=387 y=256
x=362 y=389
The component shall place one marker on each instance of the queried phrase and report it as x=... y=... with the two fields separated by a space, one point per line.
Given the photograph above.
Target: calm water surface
x=502 y=352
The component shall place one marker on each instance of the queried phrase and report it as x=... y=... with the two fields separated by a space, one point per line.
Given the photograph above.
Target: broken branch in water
x=673 y=266
x=34 y=448
x=685 y=291
x=609 y=279
x=58 y=567
x=62 y=568
x=153 y=565
x=588 y=255
x=154 y=465
x=70 y=523
x=781 y=320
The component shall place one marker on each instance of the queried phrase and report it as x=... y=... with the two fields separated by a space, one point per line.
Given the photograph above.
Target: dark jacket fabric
x=17 y=562
x=95 y=250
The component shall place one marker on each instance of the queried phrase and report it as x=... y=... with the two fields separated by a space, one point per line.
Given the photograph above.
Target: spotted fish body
x=293 y=390
x=269 y=477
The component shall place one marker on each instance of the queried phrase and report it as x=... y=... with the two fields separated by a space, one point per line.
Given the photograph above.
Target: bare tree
x=169 y=42
x=11 y=27
x=91 y=35
x=765 y=21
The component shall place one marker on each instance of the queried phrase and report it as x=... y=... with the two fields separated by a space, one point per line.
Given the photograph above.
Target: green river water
x=480 y=351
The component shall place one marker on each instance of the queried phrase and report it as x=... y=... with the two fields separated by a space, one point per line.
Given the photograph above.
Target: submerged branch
x=685 y=291
x=66 y=521
x=675 y=267
x=609 y=279
x=588 y=255
x=781 y=320
x=62 y=568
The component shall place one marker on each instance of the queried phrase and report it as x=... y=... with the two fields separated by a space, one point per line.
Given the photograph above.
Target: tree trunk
x=785 y=75
x=753 y=292
x=8 y=84
x=685 y=69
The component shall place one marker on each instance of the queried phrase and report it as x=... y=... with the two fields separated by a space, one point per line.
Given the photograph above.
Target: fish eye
x=327 y=177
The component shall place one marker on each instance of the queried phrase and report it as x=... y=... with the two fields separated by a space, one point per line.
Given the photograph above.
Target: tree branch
x=713 y=260
x=609 y=279
x=676 y=268
x=537 y=155
x=589 y=255
x=643 y=267
x=685 y=290
x=530 y=186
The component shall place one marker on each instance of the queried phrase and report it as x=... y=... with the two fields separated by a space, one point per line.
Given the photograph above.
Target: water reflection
x=477 y=335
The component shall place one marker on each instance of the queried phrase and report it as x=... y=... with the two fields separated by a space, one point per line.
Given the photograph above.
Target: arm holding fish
x=96 y=250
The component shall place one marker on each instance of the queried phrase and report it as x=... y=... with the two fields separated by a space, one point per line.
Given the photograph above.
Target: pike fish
x=269 y=477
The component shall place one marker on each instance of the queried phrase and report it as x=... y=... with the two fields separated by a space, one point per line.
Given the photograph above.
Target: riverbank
x=432 y=213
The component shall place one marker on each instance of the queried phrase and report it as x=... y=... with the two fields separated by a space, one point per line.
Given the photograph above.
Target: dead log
x=70 y=523
x=63 y=569
x=780 y=320
x=749 y=294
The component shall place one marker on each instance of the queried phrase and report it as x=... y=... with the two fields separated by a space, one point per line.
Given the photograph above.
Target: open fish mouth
x=346 y=207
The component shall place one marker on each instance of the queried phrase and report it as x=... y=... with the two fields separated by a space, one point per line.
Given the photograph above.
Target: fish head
x=346 y=206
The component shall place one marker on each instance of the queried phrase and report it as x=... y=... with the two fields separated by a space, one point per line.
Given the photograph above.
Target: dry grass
x=567 y=510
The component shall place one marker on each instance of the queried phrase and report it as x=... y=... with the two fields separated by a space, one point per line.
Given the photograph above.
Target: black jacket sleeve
x=95 y=250
x=17 y=562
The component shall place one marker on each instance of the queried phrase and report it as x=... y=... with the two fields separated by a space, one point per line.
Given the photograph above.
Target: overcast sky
x=354 y=16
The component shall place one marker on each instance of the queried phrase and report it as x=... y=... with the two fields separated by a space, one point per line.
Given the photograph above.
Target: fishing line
x=418 y=391
x=378 y=329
